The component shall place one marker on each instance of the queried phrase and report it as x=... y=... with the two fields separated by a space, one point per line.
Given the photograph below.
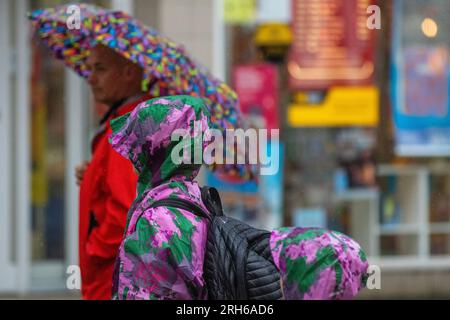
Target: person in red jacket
x=108 y=181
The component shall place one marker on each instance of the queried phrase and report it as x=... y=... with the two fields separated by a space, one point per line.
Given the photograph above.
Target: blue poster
x=260 y=205
x=420 y=83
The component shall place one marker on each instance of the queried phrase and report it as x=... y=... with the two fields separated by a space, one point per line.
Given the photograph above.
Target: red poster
x=257 y=89
x=332 y=44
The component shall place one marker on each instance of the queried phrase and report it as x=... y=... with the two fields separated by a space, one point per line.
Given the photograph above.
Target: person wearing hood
x=107 y=182
x=125 y=63
x=163 y=250
x=162 y=253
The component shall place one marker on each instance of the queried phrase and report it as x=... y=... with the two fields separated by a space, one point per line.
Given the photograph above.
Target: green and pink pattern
x=318 y=264
x=162 y=254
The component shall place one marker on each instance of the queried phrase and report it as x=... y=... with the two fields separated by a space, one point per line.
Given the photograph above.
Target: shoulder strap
x=182 y=204
x=211 y=200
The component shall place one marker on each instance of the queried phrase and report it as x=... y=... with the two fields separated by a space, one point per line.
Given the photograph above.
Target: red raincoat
x=106 y=193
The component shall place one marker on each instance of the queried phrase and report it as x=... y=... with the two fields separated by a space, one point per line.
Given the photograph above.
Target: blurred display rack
x=363 y=218
x=414 y=229
x=440 y=228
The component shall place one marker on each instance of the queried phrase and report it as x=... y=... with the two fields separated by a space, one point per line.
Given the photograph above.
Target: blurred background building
x=360 y=95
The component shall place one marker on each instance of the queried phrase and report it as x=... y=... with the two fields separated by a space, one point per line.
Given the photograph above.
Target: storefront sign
x=273 y=34
x=342 y=106
x=332 y=44
x=257 y=89
x=239 y=11
x=420 y=89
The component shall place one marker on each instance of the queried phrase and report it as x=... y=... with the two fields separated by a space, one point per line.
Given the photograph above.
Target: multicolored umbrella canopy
x=161 y=59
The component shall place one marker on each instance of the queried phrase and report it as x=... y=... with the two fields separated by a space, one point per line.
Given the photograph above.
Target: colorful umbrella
x=161 y=59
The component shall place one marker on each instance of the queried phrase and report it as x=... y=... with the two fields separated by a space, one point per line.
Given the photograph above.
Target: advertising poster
x=259 y=204
x=420 y=90
x=331 y=65
x=331 y=47
x=239 y=11
x=257 y=89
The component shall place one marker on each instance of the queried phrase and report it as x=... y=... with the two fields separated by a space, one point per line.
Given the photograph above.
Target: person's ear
x=127 y=73
x=131 y=72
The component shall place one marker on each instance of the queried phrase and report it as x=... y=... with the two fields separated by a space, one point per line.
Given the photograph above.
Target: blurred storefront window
x=49 y=141
x=420 y=78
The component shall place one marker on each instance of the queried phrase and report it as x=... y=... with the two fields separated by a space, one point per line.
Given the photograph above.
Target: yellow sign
x=273 y=34
x=239 y=11
x=343 y=106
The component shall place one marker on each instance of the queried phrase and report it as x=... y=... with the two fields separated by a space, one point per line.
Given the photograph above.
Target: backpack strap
x=211 y=200
x=182 y=204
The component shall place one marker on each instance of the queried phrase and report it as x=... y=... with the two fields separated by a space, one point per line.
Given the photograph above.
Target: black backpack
x=238 y=262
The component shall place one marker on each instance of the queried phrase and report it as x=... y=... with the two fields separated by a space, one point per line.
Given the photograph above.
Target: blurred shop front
x=46 y=122
x=360 y=92
x=46 y=125
x=360 y=95
x=47 y=118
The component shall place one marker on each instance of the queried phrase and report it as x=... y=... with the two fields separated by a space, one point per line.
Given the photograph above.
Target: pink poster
x=257 y=89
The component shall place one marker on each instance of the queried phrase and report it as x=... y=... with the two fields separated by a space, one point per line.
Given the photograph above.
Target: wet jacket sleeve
x=157 y=261
x=121 y=180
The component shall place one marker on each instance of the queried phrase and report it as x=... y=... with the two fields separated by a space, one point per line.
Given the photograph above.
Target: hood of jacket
x=156 y=135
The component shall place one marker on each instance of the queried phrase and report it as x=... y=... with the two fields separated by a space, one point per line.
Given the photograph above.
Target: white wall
x=147 y=11
x=189 y=22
